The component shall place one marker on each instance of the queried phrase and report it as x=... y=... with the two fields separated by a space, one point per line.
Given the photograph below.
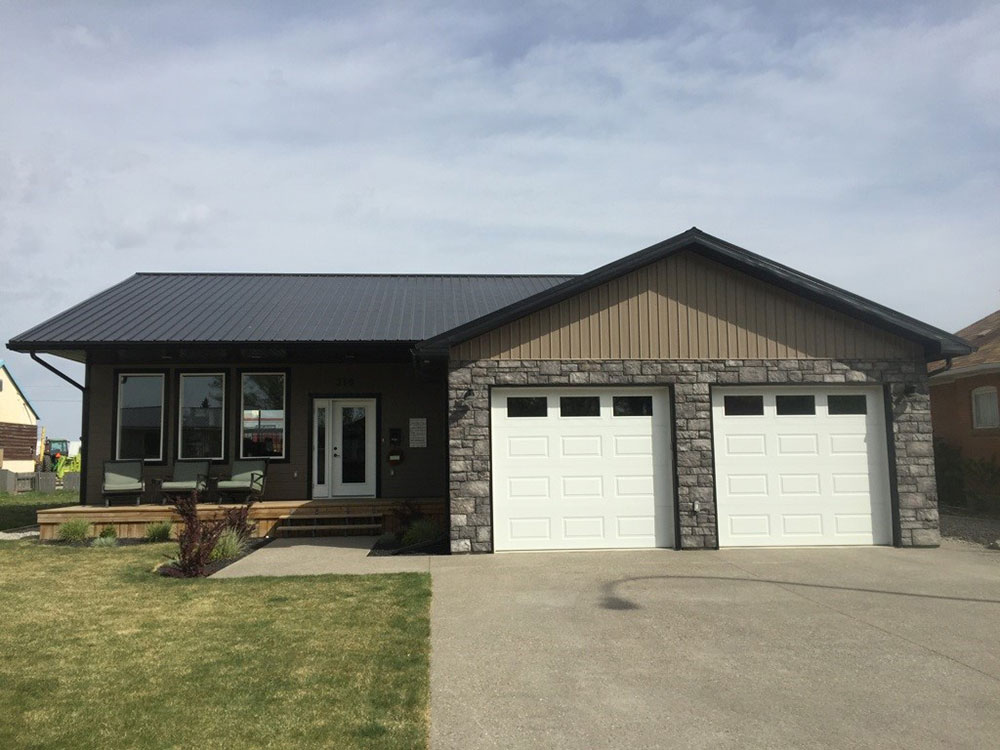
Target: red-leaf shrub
x=197 y=539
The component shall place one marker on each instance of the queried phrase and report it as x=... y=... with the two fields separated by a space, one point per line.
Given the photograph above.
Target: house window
x=140 y=417
x=580 y=406
x=263 y=410
x=985 y=412
x=202 y=415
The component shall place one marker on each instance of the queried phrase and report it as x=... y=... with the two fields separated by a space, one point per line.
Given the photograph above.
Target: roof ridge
x=363 y=274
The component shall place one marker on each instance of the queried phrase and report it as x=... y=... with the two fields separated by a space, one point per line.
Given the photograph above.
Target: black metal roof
x=156 y=308
x=936 y=342
x=431 y=311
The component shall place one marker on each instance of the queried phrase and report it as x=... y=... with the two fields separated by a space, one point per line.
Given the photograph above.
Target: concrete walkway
x=783 y=648
x=319 y=555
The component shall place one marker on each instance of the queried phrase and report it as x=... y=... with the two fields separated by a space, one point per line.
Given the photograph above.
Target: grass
x=19 y=510
x=100 y=652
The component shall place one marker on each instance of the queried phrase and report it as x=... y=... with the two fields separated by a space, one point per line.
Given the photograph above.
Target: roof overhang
x=950 y=375
x=937 y=344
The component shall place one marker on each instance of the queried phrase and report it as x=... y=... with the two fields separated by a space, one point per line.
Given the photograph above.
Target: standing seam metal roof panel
x=216 y=308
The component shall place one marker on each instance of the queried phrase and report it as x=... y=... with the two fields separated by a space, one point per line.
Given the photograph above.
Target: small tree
x=198 y=537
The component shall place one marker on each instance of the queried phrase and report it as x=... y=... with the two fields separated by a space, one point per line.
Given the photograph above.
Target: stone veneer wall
x=469 y=434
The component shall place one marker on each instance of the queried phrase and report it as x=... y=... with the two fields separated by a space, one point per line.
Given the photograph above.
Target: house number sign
x=418 y=432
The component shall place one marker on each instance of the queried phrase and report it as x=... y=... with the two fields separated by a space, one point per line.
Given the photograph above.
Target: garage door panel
x=607 y=483
x=807 y=479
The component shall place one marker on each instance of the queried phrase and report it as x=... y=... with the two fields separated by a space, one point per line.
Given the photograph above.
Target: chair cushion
x=123 y=487
x=173 y=486
x=235 y=484
x=122 y=474
x=243 y=471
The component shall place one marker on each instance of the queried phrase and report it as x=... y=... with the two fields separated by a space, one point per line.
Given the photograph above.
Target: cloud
x=856 y=144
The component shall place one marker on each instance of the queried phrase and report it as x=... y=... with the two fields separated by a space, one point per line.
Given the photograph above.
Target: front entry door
x=344 y=447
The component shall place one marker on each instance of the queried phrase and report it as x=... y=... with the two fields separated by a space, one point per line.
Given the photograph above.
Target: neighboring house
x=964 y=393
x=690 y=395
x=18 y=425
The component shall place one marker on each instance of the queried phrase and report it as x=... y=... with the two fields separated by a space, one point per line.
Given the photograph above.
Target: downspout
x=61 y=374
x=947 y=366
x=85 y=416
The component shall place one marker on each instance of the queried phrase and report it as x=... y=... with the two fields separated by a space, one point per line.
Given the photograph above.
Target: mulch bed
x=436 y=547
x=171 y=571
x=958 y=523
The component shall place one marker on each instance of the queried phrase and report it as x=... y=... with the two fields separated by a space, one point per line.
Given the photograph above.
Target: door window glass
x=795 y=405
x=846 y=404
x=633 y=406
x=352 y=445
x=744 y=406
x=321 y=446
x=531 y=406
x=580 y=406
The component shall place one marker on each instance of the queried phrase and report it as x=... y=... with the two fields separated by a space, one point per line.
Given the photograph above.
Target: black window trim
x=284 y=457
x=116 y=413
x=224 y=372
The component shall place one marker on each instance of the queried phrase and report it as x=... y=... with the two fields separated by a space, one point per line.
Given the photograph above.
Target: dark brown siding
x=686 y=307
x=401 y=395
x=18 y=441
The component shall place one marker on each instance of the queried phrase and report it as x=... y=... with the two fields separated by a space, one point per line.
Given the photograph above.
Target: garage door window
x=744 y=406
x=580 y=406
x=633 y=406
x=527 y=406
x=795 y=405
x=846 y=404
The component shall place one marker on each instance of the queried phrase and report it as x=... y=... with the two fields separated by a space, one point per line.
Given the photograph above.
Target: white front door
x=581 y=468
x=801 y=466
x=344 y=447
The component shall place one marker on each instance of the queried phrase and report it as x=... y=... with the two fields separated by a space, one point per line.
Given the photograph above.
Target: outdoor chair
x=187 y=477
x=122 y=479
x=247 y=480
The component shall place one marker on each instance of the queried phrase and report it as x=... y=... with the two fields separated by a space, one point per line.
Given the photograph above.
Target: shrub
x=238 y=519
x=231 y=544
x=75 y=532
x=421 y=532
x=108 y=532
x=982 y=485
x=159 y=531
x=197 y=539
x=950 y=472
x=105 y=541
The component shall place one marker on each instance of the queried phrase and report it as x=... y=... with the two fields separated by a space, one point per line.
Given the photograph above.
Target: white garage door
x=581 y=468
x=801 y=466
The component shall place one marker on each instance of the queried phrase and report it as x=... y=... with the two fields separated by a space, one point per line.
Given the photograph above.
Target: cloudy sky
x=858 y=145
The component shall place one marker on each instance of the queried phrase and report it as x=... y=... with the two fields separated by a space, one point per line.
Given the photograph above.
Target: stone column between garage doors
x=469 y=436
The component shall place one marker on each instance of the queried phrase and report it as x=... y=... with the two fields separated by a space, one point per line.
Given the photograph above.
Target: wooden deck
x=293 y=517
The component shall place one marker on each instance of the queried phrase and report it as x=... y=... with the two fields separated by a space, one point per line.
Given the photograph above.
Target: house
x=964 y=393
x=690 y=395
x=18 y=426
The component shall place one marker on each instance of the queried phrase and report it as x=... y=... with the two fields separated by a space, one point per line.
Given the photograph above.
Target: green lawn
x=19 y=510
x=96 y=651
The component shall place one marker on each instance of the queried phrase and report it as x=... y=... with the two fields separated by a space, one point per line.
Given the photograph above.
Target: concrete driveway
x=733 y=649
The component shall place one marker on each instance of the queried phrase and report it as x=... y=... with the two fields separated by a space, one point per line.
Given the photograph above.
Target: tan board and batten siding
x=686 y=307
